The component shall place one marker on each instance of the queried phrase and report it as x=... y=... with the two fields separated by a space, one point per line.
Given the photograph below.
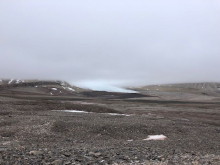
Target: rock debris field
x=40 y=130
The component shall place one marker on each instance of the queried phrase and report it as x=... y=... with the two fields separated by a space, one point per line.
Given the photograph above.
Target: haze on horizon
x=118 y=42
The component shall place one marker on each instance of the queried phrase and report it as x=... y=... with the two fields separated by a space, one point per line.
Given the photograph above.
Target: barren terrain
x=113 y=127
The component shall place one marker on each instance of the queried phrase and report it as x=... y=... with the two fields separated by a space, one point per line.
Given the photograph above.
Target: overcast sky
x=117 y=42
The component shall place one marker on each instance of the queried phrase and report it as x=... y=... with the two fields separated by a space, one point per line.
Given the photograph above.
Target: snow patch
x=74 y=111
x=51 y=93
x=54 y=89
x=156 y=137
x=71 y=89
x=18 y=81
x=10 y=81
x=77 y=111
x=117 y=114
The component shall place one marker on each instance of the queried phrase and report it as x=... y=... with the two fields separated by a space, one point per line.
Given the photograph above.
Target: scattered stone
x=170 y=163
x=57 y=162
x=67 y=154
x=67 y=163
x=91 y=153
x=97 y=154
x=3 y=149
x=36 y=153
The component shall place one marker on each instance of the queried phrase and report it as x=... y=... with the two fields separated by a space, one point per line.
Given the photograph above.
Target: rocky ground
x=38 y=131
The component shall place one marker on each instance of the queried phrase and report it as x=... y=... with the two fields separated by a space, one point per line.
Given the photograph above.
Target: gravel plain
x=33 y=132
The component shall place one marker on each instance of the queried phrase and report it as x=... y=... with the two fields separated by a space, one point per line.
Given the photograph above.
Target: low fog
x=110 y=43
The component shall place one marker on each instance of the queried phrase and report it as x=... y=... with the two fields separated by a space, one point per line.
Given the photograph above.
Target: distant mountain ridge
x=39 y=86
x=30 y=83
x=207 y=85
x=203 y=86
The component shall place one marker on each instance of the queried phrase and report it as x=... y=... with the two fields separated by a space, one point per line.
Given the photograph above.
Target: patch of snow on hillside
x=131 y=140
x=10 y=81
x=118 y=114
x=18 y=81
x=54 y=89
x=75 y=111
x=71 y=89
x=156 y=137
x=51 y=93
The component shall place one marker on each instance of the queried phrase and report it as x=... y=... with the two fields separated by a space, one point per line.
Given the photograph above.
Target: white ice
x=54 y=89
x=156 y=137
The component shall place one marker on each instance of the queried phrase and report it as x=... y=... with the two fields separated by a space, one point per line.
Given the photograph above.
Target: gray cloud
x=113 y=42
